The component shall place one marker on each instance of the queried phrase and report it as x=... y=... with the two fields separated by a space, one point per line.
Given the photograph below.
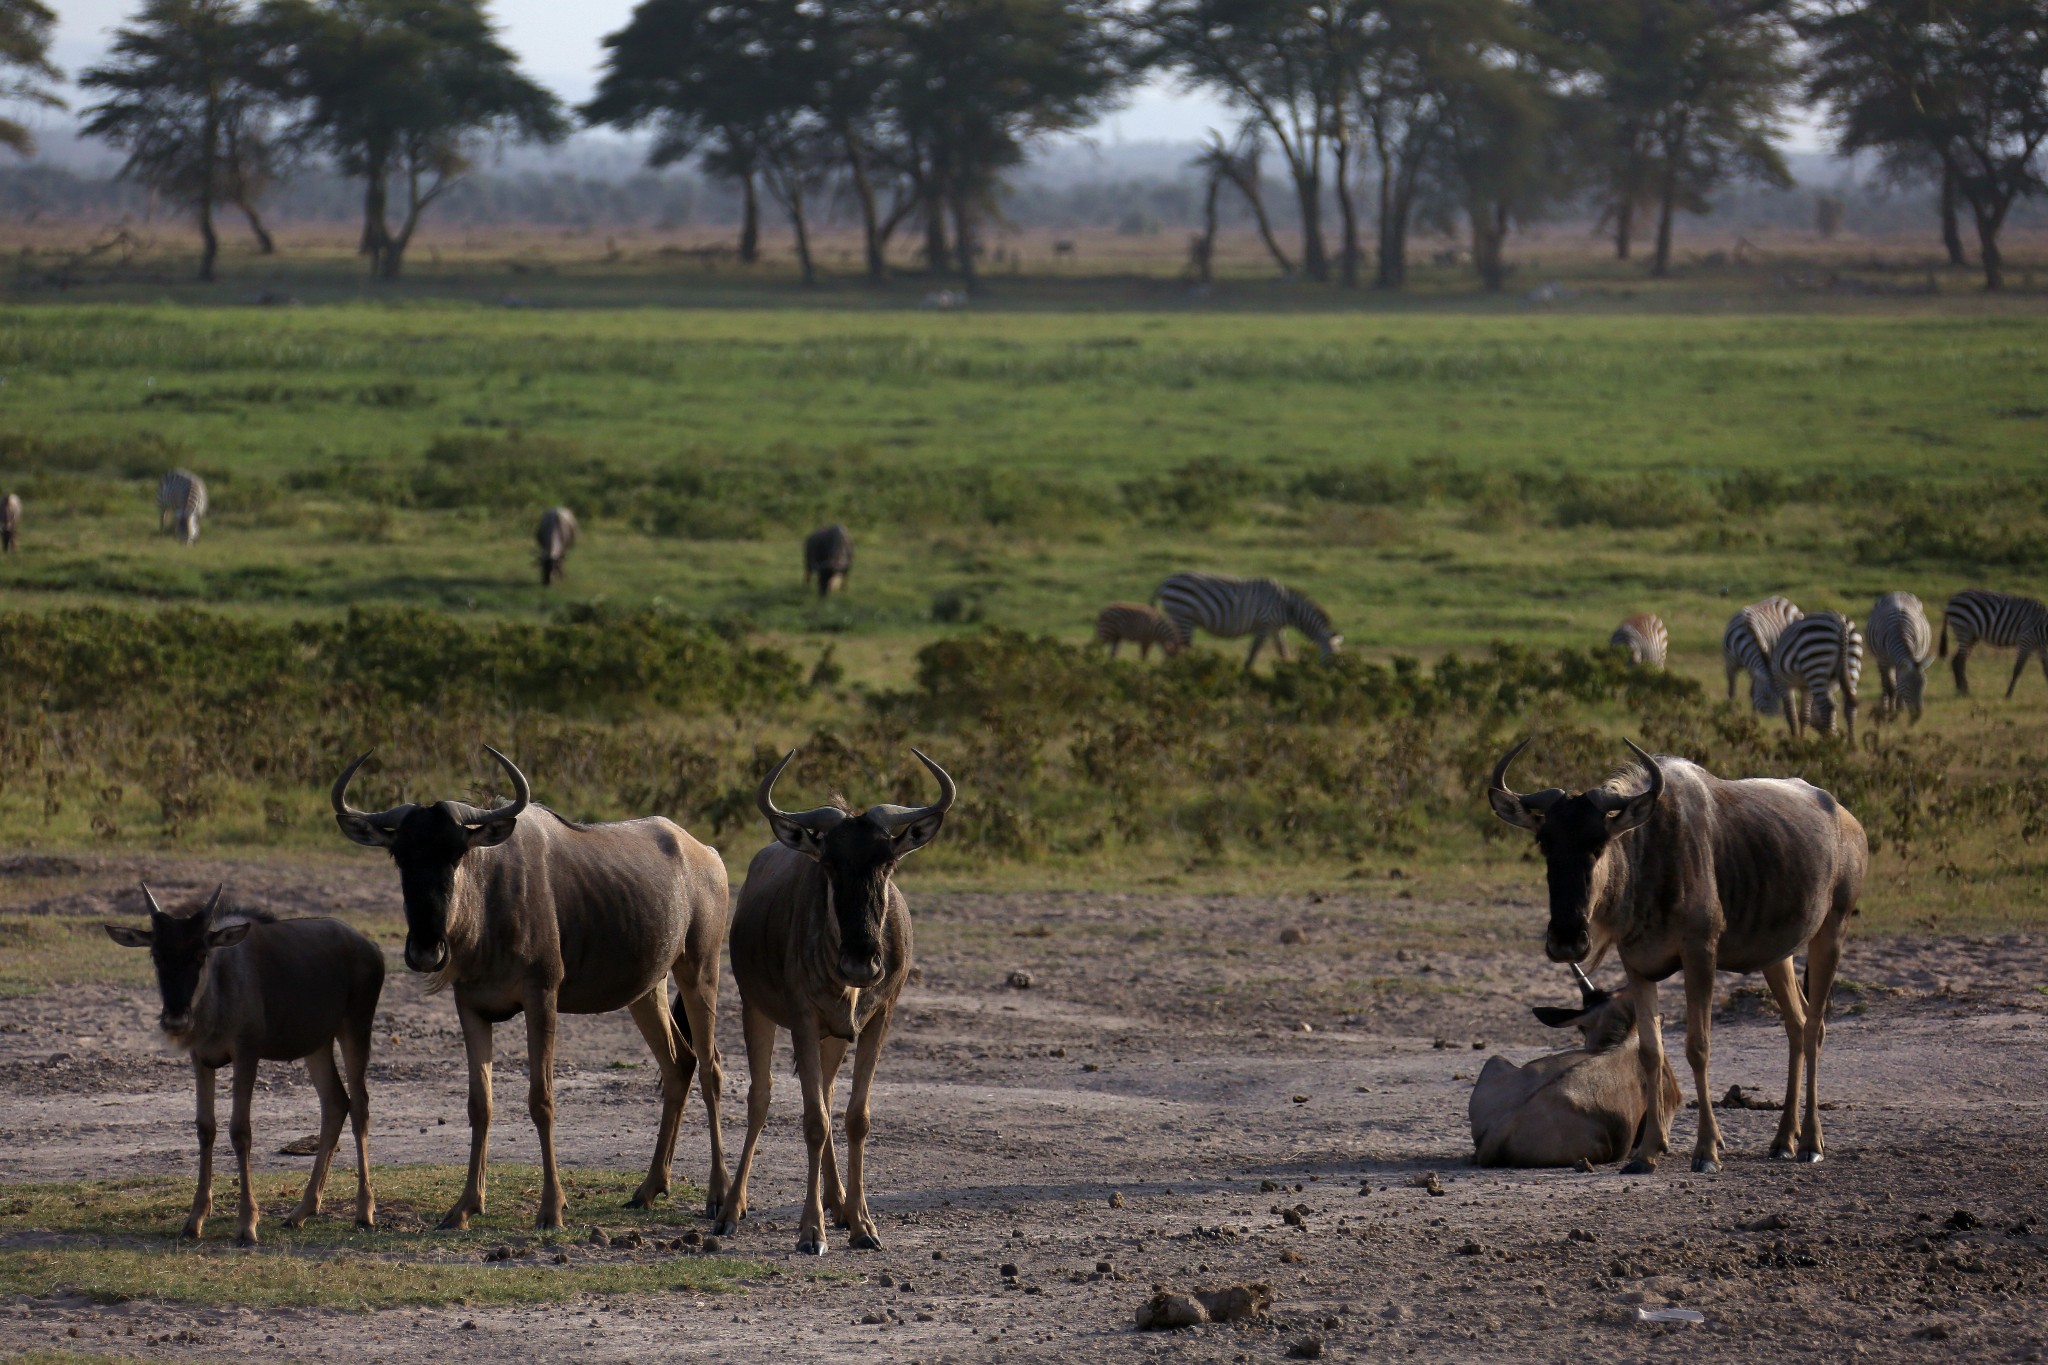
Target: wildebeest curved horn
x=1589 y=994
x=522 y=792
x=339 y=794
x=1509 y=804
x=150 y=896
x=893 y=818
x=821 y=818
x=213 y=901
x=1656 y=787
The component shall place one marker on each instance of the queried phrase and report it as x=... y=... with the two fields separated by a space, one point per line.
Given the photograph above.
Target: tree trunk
x=1667 y=207
x=266 y=245
x=1254 y=196
x=209 y=240
x=963 y=243
x=1624 y=226
x=1205 y=245
x=1489 y=236
x=376 y=236
x=938 y=257
x=803 y=236
x=1990 y=220
x=1308 y=188
x=1951 y=225
x=1348 y=212
x=870 y=221
x=750 y=220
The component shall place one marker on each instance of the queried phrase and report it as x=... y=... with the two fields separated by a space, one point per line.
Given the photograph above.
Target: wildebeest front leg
x=1699 y=1019
x=651 y=1014
x=1650 y=1053
x=1823 y=956
x=476 y=1046
x=540 y=1103
x=803 y=1040
x=1784 y=984
x=855 y=1207
x=831 y=1055
x=760 y=1033
x=239 y=1137
x=202 y=1198
x=333 y=1109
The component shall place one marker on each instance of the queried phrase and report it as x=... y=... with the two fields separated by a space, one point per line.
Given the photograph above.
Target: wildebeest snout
x=423 y=959
x=1567 y=947
x=861 y=970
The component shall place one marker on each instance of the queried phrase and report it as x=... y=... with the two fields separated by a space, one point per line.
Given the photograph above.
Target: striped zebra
x=556 y=536
x=1746 y=647
x=1901 y=644
x=180 y=503
x=1979 y=616
x=1812 y=656
x=1645 y=639
x=1139 y=624
x=1231 y=607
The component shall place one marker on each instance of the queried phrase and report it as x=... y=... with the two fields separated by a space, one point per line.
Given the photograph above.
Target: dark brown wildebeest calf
x=828 y=557
x=1568 y=1107
x=523 y=911
x=241 y=987
x=1680 y=871
x=821 y=947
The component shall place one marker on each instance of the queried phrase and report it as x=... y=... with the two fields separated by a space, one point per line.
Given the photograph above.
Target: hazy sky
x=558 y=41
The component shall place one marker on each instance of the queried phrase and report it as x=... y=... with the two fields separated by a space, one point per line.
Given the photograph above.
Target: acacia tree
x=186 y=99
x=404 y=91
x=1238 y=163
x=1963 y=80
x=25 y=68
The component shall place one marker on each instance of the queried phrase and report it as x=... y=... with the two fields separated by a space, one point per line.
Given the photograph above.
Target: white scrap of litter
x=1670 y=1315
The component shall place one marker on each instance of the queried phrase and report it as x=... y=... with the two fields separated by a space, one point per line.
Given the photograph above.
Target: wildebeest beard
x=858 y=900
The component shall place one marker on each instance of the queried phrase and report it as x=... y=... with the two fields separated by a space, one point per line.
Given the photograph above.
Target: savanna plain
x=1208 y=960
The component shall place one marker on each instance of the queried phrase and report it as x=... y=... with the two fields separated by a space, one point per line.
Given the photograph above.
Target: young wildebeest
x=828 y=557
x=1140 y=625
x=10 y=521
x=1679 y=870
x=543 y=916
x=821 y=947
x=241 y=987
x=1582 y=1105
x=556 y=537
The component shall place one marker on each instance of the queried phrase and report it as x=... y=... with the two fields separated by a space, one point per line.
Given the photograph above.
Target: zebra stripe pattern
x=556 y=536
x=1746 y=647
x=1645 y=639
x=1979 y=616
x=1139 y=624
x=1901 y=644
x=180 y=503
x=1231 y=607
x=1813 y=656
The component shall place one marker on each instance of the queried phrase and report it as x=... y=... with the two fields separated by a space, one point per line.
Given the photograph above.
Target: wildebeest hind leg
x=476 y=1046
x=831 y=1056
x=202 y=1198
x=355 y=1065
x=239 y=1137
x=1651 y=1142
x=651 y=1014
x=333 y=1109
x=1699 y=1018
x=540 y=1103
x=865 y=1055
x=1784 y=984
x=760 y=1033
x=1823 y=956
x=699 y=1001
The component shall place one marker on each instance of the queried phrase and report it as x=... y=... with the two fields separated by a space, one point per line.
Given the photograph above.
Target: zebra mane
x=1304 y=612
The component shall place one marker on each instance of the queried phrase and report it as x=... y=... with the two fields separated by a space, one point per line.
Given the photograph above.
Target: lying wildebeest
x=821 y=947
x=556 y=537
x=828 y=557
x=10 y=521
x=241 y=987
x=1568 y=1107
x=1679 y=870
x=544 y=916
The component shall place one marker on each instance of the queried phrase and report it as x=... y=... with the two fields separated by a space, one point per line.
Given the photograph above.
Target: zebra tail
x=1842 y=661
x=1944 y=635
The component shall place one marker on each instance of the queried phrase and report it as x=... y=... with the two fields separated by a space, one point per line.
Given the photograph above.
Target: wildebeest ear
x=128 y=936
x=916 y=835
x=491 y=833
x=799 y=838
x=1556 y=1016
x=367 y=830
x=1524 y=811
x=228 y=935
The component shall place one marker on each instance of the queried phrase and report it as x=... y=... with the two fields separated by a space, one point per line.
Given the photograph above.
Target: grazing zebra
x=1979 y=616
x=1746 y=646
x=556 y=537
x=1901 y=642
x=1230 y=607
x=1143 y=626
x=828 y=557
x=10 y=521
x=180 y=503
x=1812 y=656
x=1645 y=639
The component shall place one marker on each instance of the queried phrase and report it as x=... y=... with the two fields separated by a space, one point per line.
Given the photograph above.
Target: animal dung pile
x=1167 y=1310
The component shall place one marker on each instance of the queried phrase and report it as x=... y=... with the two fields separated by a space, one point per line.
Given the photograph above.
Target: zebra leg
x=2019 y=667
x=1888 y=704
x=1280 y=644
x=1962 y=678
x=1114 y=645
x=1257 y=642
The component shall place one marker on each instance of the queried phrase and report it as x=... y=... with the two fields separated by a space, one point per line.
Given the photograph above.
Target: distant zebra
x=1230 y=607
x=1141 y=625
x=180 y=503
x=1645 y=639
x=556 y=537
x=828 y=557
x=1746 y=646
x=10 y=522
x=1901 y=643
x=1979 y=616
x=1812 y=656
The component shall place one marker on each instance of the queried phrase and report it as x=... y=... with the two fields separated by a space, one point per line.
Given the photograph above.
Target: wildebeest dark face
x=857 y=855
x=178 y=948
x=1603 y=1021
x=1574 y=834
x=429 y=843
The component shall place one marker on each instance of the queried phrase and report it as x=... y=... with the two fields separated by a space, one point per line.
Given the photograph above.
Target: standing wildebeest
x=1980 y=616
x=1644 y=637
x=1902 y=644
x=556 y=537
x=241 y=987
x=181 y=502
x=1696 y=874
x=828 y=557
x=10 y=521
x=1568 y=1107
x=549 y=917
x=821 y=947
x=1138 y=624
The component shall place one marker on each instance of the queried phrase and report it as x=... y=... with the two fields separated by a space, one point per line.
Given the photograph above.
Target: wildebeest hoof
x=1781 y=1153
x=454 y=1222
x=1809 y=1158
x=1705 y=1165
x=366 y=1224
x=245 y=1239
x=865 y=1241
x=810 y=1247
x=1639 y=1167
x=724 y=1227
x=640 y=1202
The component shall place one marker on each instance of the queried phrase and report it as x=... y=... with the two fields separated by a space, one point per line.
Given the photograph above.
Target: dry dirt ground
x=1142 y=1114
